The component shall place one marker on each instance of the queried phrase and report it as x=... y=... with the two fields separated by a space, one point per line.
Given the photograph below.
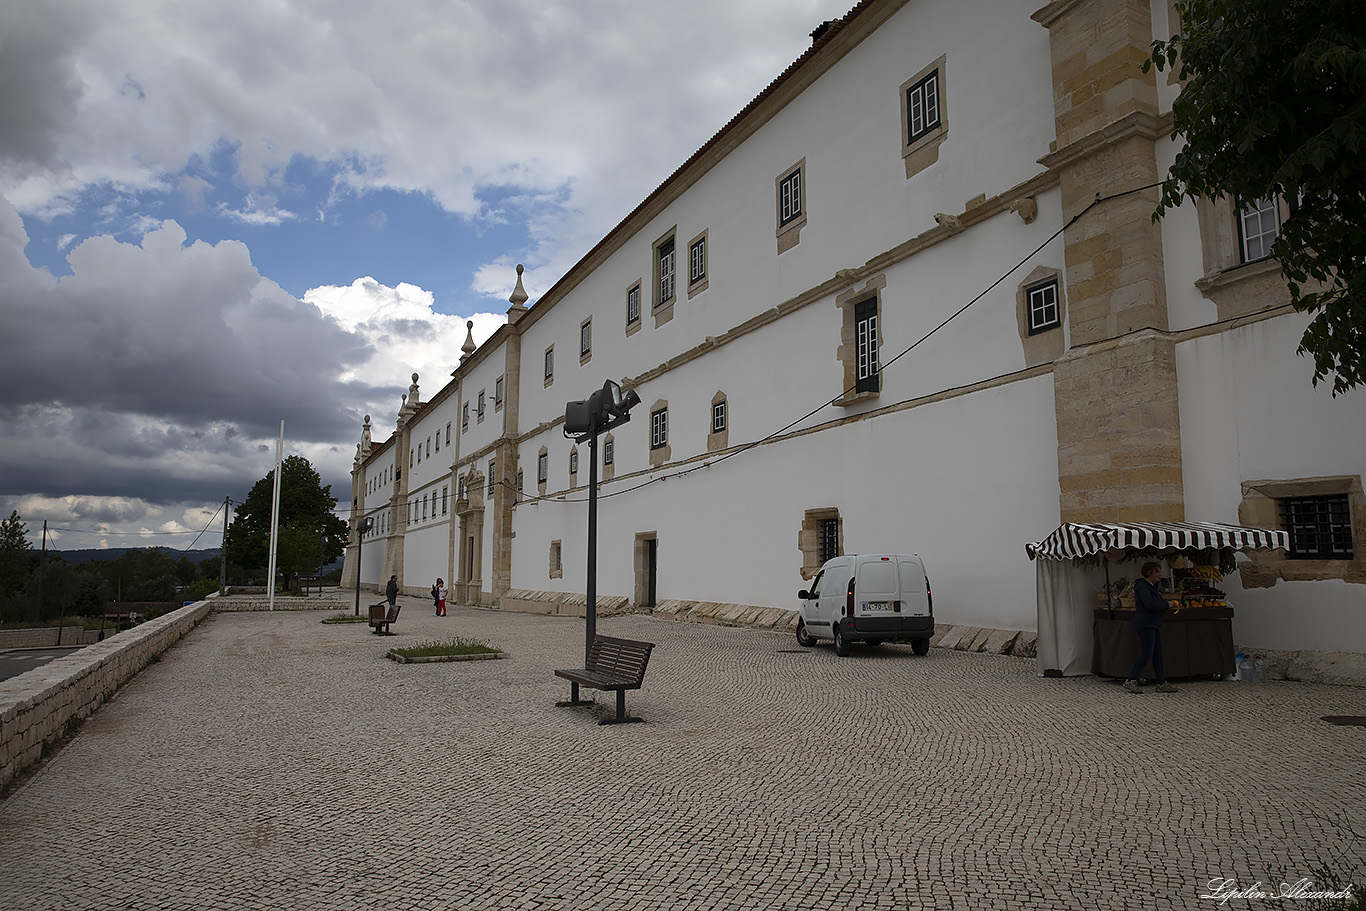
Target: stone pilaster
x=1115 y=395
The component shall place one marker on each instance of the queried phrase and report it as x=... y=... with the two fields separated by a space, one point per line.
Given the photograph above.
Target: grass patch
x=454 y=647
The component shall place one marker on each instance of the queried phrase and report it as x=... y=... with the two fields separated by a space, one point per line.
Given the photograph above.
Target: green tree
x=15 y=554
x=308 y=527
x=1274 y=104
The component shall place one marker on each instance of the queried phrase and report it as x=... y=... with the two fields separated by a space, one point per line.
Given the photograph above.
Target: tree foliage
x=308 y=527
x=1274 y=104
x=15 y=553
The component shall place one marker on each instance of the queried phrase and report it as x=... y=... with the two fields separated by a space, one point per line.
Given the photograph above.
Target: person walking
x=439 y=593
x=1149 y=608
x=391 y=590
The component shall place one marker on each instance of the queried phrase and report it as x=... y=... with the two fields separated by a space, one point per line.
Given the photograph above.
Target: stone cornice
x=1142 y=124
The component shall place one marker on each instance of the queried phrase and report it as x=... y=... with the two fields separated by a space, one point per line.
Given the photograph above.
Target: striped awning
x=1085 y=540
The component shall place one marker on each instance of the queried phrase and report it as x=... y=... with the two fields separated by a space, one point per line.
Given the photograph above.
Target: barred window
x=542 y=467
x=830 y=539
x=586 y=338
x=1320 y=527
x=493 y=476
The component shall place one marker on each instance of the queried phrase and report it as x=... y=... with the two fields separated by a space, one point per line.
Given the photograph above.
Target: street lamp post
x=606 y=408
x=365 y=525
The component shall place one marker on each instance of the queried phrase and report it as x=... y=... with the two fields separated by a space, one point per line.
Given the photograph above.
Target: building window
x=865 y=328
x=556 y=563
x=465 y=416
x=542 y=467
x=664 y=266
x=790 y=197
x=460 y=488
x=429 y=447
x=1259 y=224
x=586 y=339
x=790 y=201
x=519 y=483
x=438 y=441
x=448 y=433
x=493 y=476
x=424 y=506
x=573 y=461
x=498 y=394
x=922 y=107
x=697 y=260
x=718 y=416
x=607 y=453
x=659 y=428
x=445 y=492
x=633 y=304
x=479 y=409
x=924 y=117
x=550 y=365
x=830 y=539
x=1044 y=312
x=1320 y=527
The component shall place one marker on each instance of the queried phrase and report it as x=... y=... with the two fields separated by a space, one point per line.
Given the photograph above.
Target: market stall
x=1085 y=597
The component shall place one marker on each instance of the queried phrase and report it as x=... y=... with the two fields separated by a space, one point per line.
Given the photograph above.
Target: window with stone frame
x=697 y=264
x=550 y=365
x=924 y=117
x=790 y=203
x=542 y=467
x=497 y=395
x=659 y=428
x=1325 y=519
x=493 y=477
x=633 y=304
x=665 y=278
x=586 y=340
x=820 y=539
x=479 y=410
x=465 y=416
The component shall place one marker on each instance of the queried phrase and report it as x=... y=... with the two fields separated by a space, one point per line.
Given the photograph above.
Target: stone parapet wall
x=46 y=637
x=257 y=602
x=37 y=708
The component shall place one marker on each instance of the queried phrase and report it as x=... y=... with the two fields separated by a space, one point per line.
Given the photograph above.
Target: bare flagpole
x=275 y=514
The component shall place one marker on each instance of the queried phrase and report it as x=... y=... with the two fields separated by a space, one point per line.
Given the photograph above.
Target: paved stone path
x=270 y=761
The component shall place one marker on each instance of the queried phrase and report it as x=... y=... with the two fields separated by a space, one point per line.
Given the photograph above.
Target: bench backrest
x=624 y=659
x=393 y=613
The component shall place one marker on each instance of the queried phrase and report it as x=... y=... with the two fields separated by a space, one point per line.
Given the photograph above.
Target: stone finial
x=519 y=295
x=469 y=347
x=365 y=438
x=413 y=398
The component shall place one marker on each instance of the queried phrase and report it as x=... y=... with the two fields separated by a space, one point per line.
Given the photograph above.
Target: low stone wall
x=46 y=637
x=286 y=602
x=38 y=707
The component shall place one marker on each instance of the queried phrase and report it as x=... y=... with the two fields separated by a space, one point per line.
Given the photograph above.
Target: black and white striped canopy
x=1085 y=540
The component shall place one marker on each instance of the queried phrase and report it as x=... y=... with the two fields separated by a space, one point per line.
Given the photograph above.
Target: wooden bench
x=613 y=664
x=380 y=619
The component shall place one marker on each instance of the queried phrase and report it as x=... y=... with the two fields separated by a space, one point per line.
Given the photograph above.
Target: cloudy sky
x=217 y=216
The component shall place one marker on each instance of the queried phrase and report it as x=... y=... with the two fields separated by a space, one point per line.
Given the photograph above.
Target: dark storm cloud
x=41 y=89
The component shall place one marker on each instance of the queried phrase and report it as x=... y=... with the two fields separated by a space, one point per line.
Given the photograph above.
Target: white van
x=868 y=598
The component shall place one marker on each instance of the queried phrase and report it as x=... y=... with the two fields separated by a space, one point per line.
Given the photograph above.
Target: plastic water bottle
x=1243 y=665
x=1259 y=669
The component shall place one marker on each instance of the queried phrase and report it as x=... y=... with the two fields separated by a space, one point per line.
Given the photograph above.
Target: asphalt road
x=16 y=661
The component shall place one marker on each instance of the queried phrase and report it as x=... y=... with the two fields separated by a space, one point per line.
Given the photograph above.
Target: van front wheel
x=841 y=641
x=804 y=639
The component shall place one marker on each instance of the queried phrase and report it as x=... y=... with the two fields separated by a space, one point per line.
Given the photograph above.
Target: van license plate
x=877 y=606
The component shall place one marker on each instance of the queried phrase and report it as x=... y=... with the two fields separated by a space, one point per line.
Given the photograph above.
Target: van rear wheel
x=841 y=641
x=804 y=639
x=920 y=646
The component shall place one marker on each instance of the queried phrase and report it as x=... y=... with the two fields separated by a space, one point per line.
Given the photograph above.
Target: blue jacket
x=1149 y=605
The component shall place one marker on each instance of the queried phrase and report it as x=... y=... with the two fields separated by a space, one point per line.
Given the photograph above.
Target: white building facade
x=911 y=299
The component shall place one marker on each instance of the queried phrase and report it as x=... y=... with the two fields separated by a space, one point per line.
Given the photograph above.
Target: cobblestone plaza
x=272 y=761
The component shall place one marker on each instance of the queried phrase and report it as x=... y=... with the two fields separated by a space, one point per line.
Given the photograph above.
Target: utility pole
x=42 y=564
x=223 y=552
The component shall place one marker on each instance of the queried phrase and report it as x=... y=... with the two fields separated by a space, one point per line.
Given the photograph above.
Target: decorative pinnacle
x=469 y=345
x=519 y=295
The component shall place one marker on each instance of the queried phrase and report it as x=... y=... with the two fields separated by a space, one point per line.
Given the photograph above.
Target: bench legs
x=622 y=717
x=574 y=696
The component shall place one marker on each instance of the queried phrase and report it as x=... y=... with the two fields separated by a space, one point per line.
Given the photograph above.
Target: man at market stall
x=1149 y=609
